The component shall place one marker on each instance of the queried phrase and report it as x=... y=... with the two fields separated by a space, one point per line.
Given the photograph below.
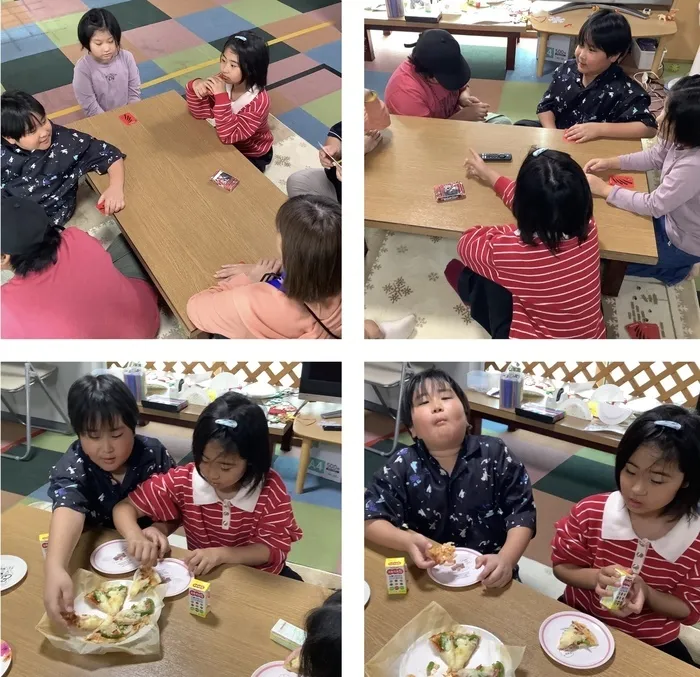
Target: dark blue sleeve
x=515 y=492
x=99 y=156
x=337 y=131
x=386 y=497
x=68 y=485
x=548 y=98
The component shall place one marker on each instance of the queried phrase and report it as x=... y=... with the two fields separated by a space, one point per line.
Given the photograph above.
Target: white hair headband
x=538 y=152
x=240 y=37
x=227 y=422
x=668 y=424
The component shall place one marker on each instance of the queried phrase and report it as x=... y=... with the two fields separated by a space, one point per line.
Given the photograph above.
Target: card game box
x=287 y=635
x=44 y=542
x=199 y=598
x=395 y=570
x=224 y=180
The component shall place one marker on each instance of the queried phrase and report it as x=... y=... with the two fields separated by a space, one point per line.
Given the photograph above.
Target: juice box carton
x=395 y=569
x=287 y=635
x=617 y=596
x=44 y=543
x=199 y=598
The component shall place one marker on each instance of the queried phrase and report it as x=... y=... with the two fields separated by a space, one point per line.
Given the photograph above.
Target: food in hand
x=455 y=647
x=145 y=579
x=109 y=597
x=292 y=665
x=577 y=636
x=442 y=554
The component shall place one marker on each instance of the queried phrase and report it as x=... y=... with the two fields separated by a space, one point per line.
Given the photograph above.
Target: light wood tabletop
x=514 y=615
x=182 y=226
x=570 y=428
x=234 y=639
x=307 y=427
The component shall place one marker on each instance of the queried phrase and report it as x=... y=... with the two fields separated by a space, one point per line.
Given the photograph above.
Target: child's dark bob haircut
x=681 y=447
x=249 y=439
x=21 y=114
x=321 y=652
x=420 y=384
x=552 y=200
x=681 y=124
x=253 y=57
x=609 y=31
x=310 y=229
x=98 y=20
x=98 y=401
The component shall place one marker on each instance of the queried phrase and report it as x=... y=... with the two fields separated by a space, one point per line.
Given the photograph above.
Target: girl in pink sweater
x=675 y=204
x=297 y=297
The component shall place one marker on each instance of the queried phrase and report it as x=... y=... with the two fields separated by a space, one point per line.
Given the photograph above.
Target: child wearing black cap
x=66 y=285
x=43 y=161
x=590 y=96
x=434 y=83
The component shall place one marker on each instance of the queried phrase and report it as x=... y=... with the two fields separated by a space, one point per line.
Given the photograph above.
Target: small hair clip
x=226 y=422
x=668 y=424
x=538 y=152
x=241 y=37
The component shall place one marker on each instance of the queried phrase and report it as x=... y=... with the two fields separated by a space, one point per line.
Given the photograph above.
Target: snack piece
x=617 y=596
x=83 y=621
x=455 y=647
x=432 y=668
x=145 y=579
x=446 y=192
x=109 y=597
x=442 y=554
x=292 y=665
x=137 y=613
x=577 y=636
x=495 y=670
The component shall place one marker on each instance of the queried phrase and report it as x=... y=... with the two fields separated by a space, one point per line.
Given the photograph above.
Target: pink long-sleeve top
x=677 y=197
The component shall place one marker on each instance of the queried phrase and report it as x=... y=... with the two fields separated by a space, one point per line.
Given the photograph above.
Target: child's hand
x=417 y=549
x=58 y=594
x=497 y=571
x=158 y=538
x=332 y=147
x=635 y=599
x=607 y=576
x=229 y=270
x=477 y=169
x=339 y=173
x=142 y=549
x=112 y=200
x=597 y=165
x=586 y=131
x=215 y=85
x=598 y=186
x=201 y=562
x=199 y=87
x=263 y=267
x=372 y=139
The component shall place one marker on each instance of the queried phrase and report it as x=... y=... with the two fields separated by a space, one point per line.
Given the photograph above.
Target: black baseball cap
x=438 y=52
x=24 y=225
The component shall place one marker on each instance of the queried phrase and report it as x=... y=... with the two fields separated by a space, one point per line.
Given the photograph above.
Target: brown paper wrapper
x=432 y=619
x=145 y=642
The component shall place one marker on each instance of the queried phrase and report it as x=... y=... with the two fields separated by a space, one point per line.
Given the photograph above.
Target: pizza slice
x=109 y=597
x=577 y=636
x=137 y=613
x=111 y=632
x=455 y=648
x=495 y=670
x=145 y=579
x=442 y=554
x=83 y=621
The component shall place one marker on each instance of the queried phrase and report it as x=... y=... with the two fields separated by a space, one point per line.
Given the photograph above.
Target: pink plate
x=275 y=669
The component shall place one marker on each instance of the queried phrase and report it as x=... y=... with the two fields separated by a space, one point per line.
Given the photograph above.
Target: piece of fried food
x=442 y=554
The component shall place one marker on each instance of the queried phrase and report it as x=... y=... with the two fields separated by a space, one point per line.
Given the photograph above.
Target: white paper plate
x=584 y=659
x=5 y=658
x=421 y=652
x=175 y=573
x=613 y=414
x=643 y=404
x=111 y=558
x=12 y=571
x=458 y=579
x=608 y=393
x=368 y=592
x=576 y=408
x=259 y=391
x=275 y=669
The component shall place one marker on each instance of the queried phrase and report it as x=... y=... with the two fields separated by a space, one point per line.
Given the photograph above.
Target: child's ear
x=12 y=141
x=615 y=58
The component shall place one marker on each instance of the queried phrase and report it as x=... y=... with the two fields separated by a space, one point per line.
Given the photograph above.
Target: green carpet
x=486 y=63
x=26 y=477
x=576 y=478
x=321 y=545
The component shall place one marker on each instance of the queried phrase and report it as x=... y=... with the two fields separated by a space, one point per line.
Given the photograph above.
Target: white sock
x=398 y=329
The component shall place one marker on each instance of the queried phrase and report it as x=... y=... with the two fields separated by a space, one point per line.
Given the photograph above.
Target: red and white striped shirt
x=263 y=517
x=553 y=296
x=248 y=129
x=598 y=533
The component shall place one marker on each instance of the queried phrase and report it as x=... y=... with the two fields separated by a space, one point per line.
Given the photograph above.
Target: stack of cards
x=224 y=180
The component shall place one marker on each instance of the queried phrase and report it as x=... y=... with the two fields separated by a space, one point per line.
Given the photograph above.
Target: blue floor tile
x=161 y=88
x=20 y=32
x=305 y=125
x=215 y=23
x=377 y=80
x=317 y=490
x=149 y=70
x=330 y=54
x=24 y=41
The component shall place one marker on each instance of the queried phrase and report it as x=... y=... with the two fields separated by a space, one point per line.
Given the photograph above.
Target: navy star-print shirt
x=77 y=483
x=611 y=97
x=50 y=177
x=487 y=493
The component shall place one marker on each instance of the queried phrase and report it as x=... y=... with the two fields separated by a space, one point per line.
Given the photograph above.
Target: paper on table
x=144 y=643
x=386 y=662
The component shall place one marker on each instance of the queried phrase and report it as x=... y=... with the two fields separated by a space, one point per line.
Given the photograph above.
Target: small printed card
x=224 y=180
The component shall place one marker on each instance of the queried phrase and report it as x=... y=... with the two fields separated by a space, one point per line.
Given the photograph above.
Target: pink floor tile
x=310 y=87
x=162 y=38
x=285 y=68
x=51 y=9
x=331 y=13
x=57 y=99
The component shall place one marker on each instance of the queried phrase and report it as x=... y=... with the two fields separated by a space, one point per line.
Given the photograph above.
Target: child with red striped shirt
x=236 y=97
x=651 y=524
x=234 y=508
x=538 y=278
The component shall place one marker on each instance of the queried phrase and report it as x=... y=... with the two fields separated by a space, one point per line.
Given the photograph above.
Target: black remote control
x=496 y=157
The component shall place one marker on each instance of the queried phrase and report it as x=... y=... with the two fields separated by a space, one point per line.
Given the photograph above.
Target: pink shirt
x=82 y=296
x=408 y=93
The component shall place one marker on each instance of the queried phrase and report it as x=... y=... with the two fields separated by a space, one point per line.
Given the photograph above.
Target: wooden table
x=641 y=28
x=181 y=225
x=514 y=615
x=378 y=21
x=569 y=429
x=307 y=428
x=420 y=153
x=232 y=640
